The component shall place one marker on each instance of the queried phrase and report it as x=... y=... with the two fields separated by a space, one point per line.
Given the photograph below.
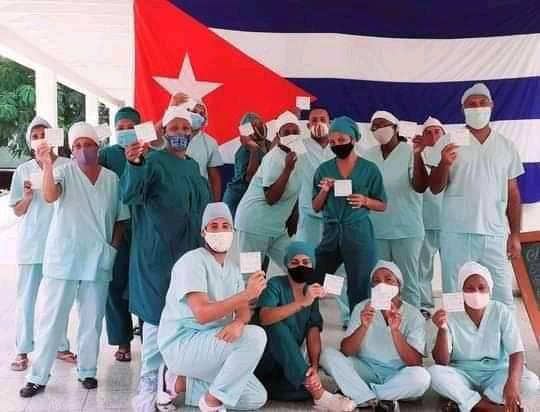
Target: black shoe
x=386 y=406
x=31 y=389
x=89 y=383
x=450 y=406
x=426 y=314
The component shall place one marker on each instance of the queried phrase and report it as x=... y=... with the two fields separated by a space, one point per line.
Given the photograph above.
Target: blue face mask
x=179 y=141
x=126 y=137
x=197 y=121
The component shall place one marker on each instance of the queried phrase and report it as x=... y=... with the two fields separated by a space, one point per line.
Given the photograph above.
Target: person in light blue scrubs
x=479 y=353
x=481 y=200
x=380 y=359
x=36 y=215
x=81 y=246
x=399 y=230
x=209 y=350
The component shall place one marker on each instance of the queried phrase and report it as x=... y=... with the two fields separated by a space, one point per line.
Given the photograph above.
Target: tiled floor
x=117 y=381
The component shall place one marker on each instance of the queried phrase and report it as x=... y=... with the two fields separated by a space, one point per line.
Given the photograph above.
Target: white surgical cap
x=432 y=121
x=479 y=89
x=214 y=211
x=286 y=118
x=383 y=114
x=82 y=129
x=176 y=112
x=473 y=268
x=391 y=266
x=36 y=121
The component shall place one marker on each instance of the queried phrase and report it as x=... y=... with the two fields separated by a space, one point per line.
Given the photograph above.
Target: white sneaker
x=204 y=407
x=145 y=398
x=330 y=402
x=165 y=390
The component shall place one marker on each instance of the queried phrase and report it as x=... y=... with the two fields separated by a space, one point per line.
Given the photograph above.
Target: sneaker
x=386 y=406
x=331 y=402
x=89 y=383
x=204 y=407
x=165 y=390
x=425 y=313
x=145 y=398
x=31 y=389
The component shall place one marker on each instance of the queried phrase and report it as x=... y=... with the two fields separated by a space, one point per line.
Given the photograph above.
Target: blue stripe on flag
x=381 y=18
x=529 y=183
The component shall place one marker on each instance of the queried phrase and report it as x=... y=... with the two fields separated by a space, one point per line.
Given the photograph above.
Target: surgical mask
x=197 y=121
x=478 y=117
x=126 y=137
x=343 y=150
x=319 y=130
x=476 y=300
x=179 y=141
x=219 y=242
x=87 y=156
x=384 y=134
x=301 y=274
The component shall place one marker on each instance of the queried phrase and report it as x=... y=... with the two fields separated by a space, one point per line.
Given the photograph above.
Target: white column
x=46 y=95
x=91 y=109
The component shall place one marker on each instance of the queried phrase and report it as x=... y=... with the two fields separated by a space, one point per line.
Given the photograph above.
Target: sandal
x=122 y=356
x=19 y=364
x=67 y=356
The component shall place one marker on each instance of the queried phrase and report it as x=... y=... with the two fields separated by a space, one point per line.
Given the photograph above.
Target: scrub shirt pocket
x=108 y=256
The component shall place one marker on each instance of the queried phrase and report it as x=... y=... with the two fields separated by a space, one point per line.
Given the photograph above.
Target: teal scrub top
x=204 y=149
x=78 y=246
x=278 y=293
x=378 y=348
x=403 y=215
x=486 y=348
x=33 y=226
x=196 y=271
x=167 y=196
x=313 y=158
x=254 y=214
x=366 y=180
x=476 y=197
x=238 y=184
x=113 y=158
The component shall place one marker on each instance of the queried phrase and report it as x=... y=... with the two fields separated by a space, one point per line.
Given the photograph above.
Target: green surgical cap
x=300 y=248
x=249 y=117
x=345 y=125
x=127 y=113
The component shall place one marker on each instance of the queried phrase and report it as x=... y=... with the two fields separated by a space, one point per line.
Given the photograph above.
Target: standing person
x=347 y=230
x=399 y=230
x=79 y=254
x=481 y=197
x=247 y=159
x=28 y=203
x=167 y=196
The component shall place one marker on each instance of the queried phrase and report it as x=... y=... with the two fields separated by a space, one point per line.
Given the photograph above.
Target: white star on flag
x=187 y=83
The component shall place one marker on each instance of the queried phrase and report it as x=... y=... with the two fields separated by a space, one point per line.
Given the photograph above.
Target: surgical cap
x=383 y=114
x=345 y=125
x=286 y=118
x=36 y=122
x=432 y=121
x=391 y=266
x=479 y=89
x=300 y=248
x=249 y=117
x=472 y=268
x=128 y=113
x=82 y=129
x=214 y=211
x=176 y=112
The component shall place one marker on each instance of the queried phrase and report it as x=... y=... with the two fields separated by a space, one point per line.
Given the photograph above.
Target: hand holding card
x=333 y=284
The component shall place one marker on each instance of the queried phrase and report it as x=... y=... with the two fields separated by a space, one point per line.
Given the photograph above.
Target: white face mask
x=384 y=134
x=478 y=117
x=476 y=300
x=389 y=290
x=320 y=130
x=219 y=242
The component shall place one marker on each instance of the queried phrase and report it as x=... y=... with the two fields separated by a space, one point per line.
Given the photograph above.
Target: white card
x=54 y=137
x=250 y=262
x=103 y=131
x=271 y=130
x=36 y=180
x=298 y=147
x=381 y=297
x=146 y=132
x=333 y=284
x=453 y=302
x=34 y=144
x=246 y=129
x=342 y=188
x=407 y=129
x=303 y=102
x=460 y=137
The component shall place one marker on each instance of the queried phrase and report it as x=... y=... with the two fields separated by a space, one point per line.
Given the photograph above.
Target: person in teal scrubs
x=117 y=315
x=36 y=215
x=210 y=351
x=289 y=313
x=247 y=159
x=399 y=229
x=347 y=231
x=479 y=353
x=167 y=196
x=83 y=238
x=380 y=358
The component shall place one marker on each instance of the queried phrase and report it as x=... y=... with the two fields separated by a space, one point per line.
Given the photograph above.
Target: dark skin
x=254 y=143
x=441 y=353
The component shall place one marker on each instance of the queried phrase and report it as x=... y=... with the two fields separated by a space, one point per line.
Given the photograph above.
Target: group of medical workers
x=139 y=229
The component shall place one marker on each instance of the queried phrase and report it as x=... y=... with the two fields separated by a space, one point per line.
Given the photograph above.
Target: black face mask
x=301 y=274
x=343 y=150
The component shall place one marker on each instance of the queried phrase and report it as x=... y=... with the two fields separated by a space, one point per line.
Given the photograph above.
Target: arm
x=320 y=200
x=118 y=234
x=21 y=207
x=323 y=186
x=214 y=177
x=270 y=315
x=275 y=191
x=374 y=204
x=513 y=210
x=253 y=164
x=243 y=315
x=440 y=175
x=441 y=351
x=313 y=343
x=351 y=344
x=420 y=180
x=51 y=189
x=206 y=311
x=407 y=353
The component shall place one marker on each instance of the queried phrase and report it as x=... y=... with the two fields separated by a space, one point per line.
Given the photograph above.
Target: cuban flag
x=412 y=57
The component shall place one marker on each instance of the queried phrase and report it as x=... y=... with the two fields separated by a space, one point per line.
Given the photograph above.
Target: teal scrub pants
x=430 y=247
x=467 y=388
x=362 y=381
x=282 y=369
x=274 y=247
x=225 y=370
x=353 y=245
x=151 y=358
x=59 y=298
x=490 y=251
x=27 y=291
x=405 y=253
